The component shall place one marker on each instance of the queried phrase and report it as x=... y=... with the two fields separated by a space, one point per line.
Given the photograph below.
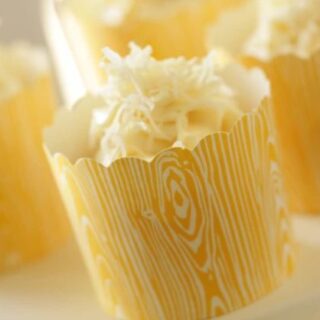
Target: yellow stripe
x=32 y=218
x=191 y=235
x=295 y=88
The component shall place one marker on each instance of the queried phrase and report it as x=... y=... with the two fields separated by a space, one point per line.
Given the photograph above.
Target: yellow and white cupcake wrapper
x=32 y=216
x=181 y=33
x=190 y=235
x=296 y=93
x=295 y=86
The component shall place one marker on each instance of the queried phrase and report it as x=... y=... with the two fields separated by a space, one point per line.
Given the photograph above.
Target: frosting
x=150 y=105
x=286 y=26
x=20 y=66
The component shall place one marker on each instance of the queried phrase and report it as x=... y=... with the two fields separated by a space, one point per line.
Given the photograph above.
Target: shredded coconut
x=286 y=26
x=151 y=105
x=20 y=65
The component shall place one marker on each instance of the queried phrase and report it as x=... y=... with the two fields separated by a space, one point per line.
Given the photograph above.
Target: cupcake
x=172 y=27
x=170 y=177
x=32 y=217
x=284 y=41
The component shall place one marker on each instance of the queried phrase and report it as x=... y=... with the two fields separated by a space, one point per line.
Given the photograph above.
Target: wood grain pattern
x=190 y=235
x=295 y=86
x=32 y=217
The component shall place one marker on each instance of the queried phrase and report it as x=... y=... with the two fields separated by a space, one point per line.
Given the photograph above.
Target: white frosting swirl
x=151 y=105
x=286 y=26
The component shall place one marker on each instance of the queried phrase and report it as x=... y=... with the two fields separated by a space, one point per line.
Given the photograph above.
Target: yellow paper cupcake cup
x=190 y=235
x=32 y=216
x=177 y=33
x=295 y=87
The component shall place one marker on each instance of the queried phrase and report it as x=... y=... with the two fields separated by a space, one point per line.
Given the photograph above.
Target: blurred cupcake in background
x=32 y=217
x=171 y=181
x=173 y=28
x=283 y=38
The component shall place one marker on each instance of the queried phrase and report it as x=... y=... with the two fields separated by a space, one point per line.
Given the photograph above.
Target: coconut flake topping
x=151 y=105
x=286 y=26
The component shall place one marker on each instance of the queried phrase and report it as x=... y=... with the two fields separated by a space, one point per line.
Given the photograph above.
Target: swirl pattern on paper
x=191 y=235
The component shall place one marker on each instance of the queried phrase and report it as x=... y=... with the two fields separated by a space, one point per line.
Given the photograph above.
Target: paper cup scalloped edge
x=32 y=217
x=192 y=234
x=295 y=86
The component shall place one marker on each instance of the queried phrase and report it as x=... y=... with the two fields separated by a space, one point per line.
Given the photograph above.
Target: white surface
x=58 y=288
x=307 y=230
x=297 y=299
